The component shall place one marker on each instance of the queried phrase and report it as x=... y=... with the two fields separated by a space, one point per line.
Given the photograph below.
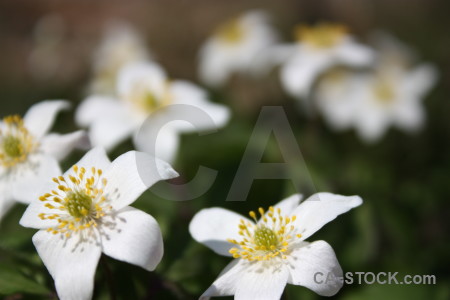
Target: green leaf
x=12 y=281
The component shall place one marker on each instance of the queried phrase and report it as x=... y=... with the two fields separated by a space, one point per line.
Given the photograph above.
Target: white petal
x=95 y=107
x=299 y=73
x=27 y=186
x=71 y=264
x=30 y=217
x=96 y=157
x=184 y=92
x=213 y=226
x=272 y=56
x=262 y=281
x=109 y=132
x=147 y=73
x=353 y=54
x=227 y=281
x=288 y=205
x=321 y=208
x=410 y=116
x=164 y=143
x=371 y=123
x=135 y=238
x=6 y=201
x=422 y=79
x=337 y=97
x=110 y=120
x=40 y=117
x=60 y=145
x=133 y=173
x=216 y=64
x=315 y=262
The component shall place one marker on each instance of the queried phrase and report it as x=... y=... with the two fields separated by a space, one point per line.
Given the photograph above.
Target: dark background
x=404 y=179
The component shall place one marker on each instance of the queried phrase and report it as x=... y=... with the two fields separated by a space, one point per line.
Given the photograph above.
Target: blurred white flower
x=271 y=252
x=317 y=49
x=143 y=90
x=85 y=212
x=121 y=44
x=28 y=153
x=234 y=47
x=390 y=95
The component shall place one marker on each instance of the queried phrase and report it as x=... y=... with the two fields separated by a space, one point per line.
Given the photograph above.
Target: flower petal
x=299 y=73
x=353 y=54
x=135 y=238
x=184 y=92
x=262 y=281
x=95 y=107
x=40 y=117
x=288 y=205
x=71 y=263
x=110 y=120
x=26 y=187
x=321 y=208
x=133 y=173
x=226 y=282
x=6 y=201
x=96 y=157
x=216 y=63
x=30 y=217
x=163 y=143
x=315 y=262
x=421 y=79
x=60 y=145
x=148 y=73
x=214 y=226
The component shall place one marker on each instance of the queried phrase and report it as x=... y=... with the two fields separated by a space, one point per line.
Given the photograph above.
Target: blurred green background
x=404 y=179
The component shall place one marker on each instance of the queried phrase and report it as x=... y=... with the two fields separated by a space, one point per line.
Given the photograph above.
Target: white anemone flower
x=29 y=153
x=318 y=49
x=120 y=45
x=391 y=94
x=85 y=212
x=144 y=91
x=234 y=47
x=272 y=251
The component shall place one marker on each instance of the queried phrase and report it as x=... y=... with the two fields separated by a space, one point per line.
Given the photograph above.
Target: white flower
x=85 y=212
x=371 y=102
x=318 y=49
x=272 y=251
x=29 y=153
x=143 y=91
x=121 y=44
x=234 y=47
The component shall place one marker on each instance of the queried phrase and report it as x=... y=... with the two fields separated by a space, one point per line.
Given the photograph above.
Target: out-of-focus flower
x=317 y=49
x=371 y=102
x=121 y=45
x=234 y=46
x=272 y=251
x=85 y=212
x=28 y=153
x=47 y=55
x=144 y=90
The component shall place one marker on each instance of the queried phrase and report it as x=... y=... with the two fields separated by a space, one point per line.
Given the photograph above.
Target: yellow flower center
x=147 y=100
x=16 y=143
x=384 y=91
x=267 y=239
x=78 y=201
x=323 y=35
x=231 y=32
